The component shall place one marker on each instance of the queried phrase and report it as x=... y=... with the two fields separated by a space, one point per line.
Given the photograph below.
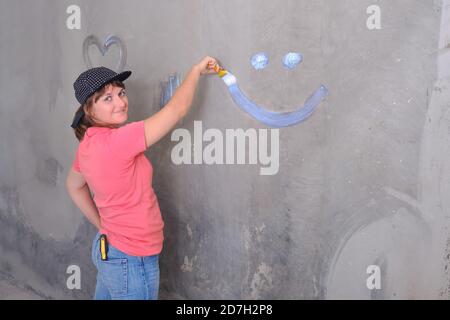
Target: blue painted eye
x=292 y=59
x=260 y=60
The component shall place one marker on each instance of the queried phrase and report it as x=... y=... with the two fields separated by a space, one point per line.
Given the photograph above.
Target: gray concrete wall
x=363 y=182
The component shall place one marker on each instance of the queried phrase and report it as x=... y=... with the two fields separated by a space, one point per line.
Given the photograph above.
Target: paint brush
x=220 y=71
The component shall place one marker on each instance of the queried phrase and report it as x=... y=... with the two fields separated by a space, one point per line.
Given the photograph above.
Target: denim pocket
x=94 y=249
x=114 y=274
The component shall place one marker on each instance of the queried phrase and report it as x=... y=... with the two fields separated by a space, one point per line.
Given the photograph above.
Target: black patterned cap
x=92 y=80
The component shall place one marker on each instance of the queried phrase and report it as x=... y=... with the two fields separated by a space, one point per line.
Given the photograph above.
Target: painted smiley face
x=273 y=119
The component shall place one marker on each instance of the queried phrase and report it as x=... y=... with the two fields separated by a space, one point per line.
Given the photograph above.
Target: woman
x=110 y=163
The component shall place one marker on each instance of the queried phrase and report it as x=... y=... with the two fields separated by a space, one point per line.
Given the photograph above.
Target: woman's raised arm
x=159 y=124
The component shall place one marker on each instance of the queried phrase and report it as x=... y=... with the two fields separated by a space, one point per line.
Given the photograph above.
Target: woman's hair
x=86 y=121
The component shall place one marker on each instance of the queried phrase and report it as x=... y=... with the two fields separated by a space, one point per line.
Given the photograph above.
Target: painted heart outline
x=103 y=48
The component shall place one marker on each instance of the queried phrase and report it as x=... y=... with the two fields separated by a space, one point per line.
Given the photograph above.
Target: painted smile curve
x=272 y=119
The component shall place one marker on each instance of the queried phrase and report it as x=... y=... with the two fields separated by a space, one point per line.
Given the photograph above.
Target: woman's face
x=111 y=108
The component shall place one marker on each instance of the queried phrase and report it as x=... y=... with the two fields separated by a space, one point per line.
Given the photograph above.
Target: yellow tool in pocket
x=103 y=247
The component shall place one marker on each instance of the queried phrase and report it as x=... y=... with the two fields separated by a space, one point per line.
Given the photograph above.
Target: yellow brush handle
x=220 y=71
x=103 y=247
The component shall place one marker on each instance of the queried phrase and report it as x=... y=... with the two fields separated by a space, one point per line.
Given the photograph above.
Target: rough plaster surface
x=363 y=182
x=10 y=289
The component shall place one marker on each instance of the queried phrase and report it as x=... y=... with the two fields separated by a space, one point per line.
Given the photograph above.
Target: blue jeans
x=125 y=277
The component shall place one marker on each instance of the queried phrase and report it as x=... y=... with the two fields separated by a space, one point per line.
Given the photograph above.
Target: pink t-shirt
x=113 y=163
